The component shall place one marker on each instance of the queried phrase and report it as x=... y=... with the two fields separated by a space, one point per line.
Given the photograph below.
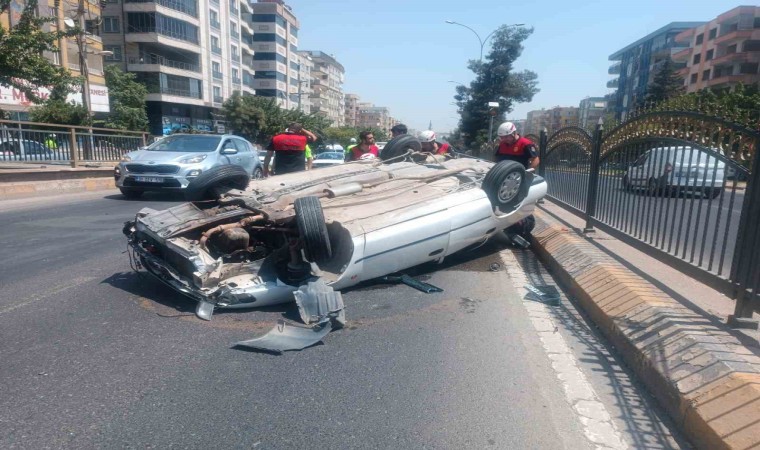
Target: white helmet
x=353 y=140
x=506 y=129
x=367 y=156
x=427 y=136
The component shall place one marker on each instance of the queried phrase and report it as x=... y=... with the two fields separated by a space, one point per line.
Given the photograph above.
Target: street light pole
x=482 y=41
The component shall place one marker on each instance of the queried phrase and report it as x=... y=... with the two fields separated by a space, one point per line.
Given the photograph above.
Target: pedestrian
x=513 y=147
x=365 y=148
x=309 y=157
x=51 y=142
x=288 y=149
x=351 y=145
x=430 y=145
x=398 y=130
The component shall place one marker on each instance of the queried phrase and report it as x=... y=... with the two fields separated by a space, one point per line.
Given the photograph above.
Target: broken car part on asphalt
x=285 y=336
x=411 y=282
x=318 y=303
x=544 y=293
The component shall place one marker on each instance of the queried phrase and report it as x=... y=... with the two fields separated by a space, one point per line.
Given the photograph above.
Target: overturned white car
x=254 y=244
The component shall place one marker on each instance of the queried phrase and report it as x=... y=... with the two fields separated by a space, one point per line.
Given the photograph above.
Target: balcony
x=236 y=80
x=189 y=7
x=149 y=33
x=176 y=92
x=733 y=79
x=218 y=99
x=216 y=50
x=735 y=35
x=742 y=57
x=217 y=75
x=215 y=24
x=235 y=34
x=149 y=59
x=614 y=69
x=613 y=83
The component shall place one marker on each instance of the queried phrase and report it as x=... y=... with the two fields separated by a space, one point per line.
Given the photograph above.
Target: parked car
x=676 y=169
x=328 y=159
x=351 y=223
x=24 y=150
x=172 y=162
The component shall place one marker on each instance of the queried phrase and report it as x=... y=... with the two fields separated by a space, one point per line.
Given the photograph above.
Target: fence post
x=746 y=261
x=542 y=141
x=145 y=139
x=73 y=150
x=593 y=178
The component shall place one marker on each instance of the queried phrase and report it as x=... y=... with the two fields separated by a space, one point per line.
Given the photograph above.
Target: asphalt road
x=695 y=228
x=93 y=355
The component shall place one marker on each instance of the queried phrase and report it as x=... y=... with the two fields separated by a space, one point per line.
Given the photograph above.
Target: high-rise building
x=590 y=111
x=327 y=87
x=636 y=64
x=191 y=55
x=373 y=117
x=723 y=52
x=351 y=109
x=68 y=54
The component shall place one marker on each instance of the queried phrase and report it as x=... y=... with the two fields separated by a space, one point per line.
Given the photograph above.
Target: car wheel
x=209 y=184
x=398 y=146
x=506 y=185
x=258 y=173
x=131 y=193
x=313 y=230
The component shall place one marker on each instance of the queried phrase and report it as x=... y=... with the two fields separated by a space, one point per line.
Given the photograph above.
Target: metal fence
x=40 y=142
x=676 y=185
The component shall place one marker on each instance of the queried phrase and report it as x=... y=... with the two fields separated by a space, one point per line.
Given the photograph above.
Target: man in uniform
x=288 y=150
x=513 y=147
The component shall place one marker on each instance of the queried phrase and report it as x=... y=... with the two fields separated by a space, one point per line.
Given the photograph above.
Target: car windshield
x=330 y=155
x=186 y=143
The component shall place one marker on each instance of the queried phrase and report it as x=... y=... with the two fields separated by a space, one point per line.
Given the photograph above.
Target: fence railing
x=41 y=142
x=676 y=185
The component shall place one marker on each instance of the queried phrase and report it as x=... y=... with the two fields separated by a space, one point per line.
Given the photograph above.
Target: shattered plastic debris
x=285 y=337
x=409 y=281
x=204 y=310
x=317 y=302
x=519 y=241
x=546 y=294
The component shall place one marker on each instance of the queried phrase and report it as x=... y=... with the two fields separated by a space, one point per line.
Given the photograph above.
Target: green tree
x=22 y=63
x=666 y=84
x=127 y=100
x=495 y=81
x=740 y=104
x=57 y=110
x=340 y=135
x=260 y=118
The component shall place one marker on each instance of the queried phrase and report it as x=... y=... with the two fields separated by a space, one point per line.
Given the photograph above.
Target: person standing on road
x=366 y=147
x=288 y=149
x=309 y=157
x=430 y=145
x=351 y=145
x=513 y=147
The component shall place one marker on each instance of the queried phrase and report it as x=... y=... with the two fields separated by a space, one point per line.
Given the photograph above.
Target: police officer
x=513 y=147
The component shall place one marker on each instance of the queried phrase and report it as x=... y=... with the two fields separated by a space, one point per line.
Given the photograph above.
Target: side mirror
x=229 y=151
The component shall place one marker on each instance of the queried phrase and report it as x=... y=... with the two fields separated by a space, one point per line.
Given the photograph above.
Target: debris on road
x=285 y=337
x=546 y=294
x=411 y=282
x=519 y=241
x=317 y=303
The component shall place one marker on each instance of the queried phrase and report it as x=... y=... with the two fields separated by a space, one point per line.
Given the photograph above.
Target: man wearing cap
x=288 y=150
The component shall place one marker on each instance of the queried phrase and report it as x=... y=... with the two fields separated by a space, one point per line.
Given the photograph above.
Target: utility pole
x=82 y=46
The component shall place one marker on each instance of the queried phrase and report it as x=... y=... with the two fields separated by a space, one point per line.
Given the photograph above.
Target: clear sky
x=401 y=53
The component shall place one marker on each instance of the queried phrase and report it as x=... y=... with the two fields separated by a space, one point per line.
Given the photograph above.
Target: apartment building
x=590 y=110
x=190 y=54
x=636 y=64
x=351 y=109
x=536 y=121
x=370 y=116
x=68 y=54
x=327 y=87
x=723 y=52
x=281 y=71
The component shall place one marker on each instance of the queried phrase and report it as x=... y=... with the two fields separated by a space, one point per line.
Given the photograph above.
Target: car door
x=245 y=155
x=232 y=158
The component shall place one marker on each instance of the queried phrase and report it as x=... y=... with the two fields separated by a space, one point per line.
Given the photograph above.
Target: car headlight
x=193 y=160
x=126 y=158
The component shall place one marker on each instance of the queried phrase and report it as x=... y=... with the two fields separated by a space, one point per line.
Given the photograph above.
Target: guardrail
x=44 y=142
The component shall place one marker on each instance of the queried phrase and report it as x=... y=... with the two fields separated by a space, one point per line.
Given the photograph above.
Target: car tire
x=207 y=185
x=313 y=230
x=257 y=174
x=506 y=185
x=131 y=193
x=398 y=146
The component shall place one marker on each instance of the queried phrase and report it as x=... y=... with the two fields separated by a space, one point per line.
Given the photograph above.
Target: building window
x=713 y=33
x=732 y=48
x=213 y=19
x=697 y=58
x=293 y=31
x=269 y=37
x=235 y=54
x=215 y=47
x=748 y=68
x=116 y=50
x=693 y=78
x=111 y=24
x=700 y=38
x=750 y=46
x=706 y=75
x=158 y=23
x=268 y=56
x=709 y=54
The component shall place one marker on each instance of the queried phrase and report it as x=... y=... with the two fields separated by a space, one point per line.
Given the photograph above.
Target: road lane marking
x=37 y=297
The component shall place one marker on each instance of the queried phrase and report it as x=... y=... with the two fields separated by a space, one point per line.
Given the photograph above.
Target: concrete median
x=19 y=181
x=699 y=371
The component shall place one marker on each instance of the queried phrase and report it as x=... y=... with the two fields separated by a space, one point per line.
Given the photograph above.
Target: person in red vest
x=365 y=148
x=288 y=150
x=513 y=147
x=430 y=145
